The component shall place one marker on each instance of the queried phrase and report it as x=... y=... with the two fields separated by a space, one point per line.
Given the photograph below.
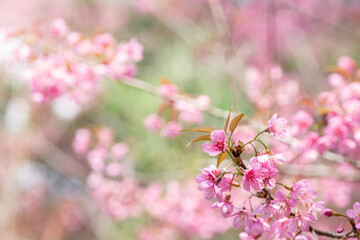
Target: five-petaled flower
x=219 y=145
x=277 y=126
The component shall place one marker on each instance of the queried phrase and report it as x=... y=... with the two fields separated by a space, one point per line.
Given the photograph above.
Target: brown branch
x=329 y=234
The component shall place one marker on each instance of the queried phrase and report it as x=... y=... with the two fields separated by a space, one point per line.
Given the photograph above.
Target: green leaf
x=221 y=158
x=200 y=129
x=236 y=120
x=201 y=138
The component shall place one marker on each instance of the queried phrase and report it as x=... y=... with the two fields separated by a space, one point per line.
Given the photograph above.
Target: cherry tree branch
x=329 y=234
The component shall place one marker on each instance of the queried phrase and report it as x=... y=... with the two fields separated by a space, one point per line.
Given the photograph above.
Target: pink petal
x=351 y=213
x=210 y=149
x=218 y=136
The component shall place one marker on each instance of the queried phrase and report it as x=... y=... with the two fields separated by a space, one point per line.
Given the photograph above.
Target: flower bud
x=328 y=212
x=340 y=229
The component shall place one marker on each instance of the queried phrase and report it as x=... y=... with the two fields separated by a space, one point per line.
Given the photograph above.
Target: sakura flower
x=300 y=192
x=171 y=129
x=277 y=126
x=119 y=150
x=226 y=208
x=59 y=27
x=257 y=226
x=355 y=214
x=153 y=122
x=315 y=210
x=285 y=228
x=253 y=177
x=241 y=218
x=219 y=143
x=283 y=202
x=302 y=222
x=114 y=169
x=96 y=159
x=302 y=237
x=81 y=141
x=245 y=236
x=208 y=182
x=269 y=174
x=346 y=63
x=168 y=90
x=267 y=210
x=302 y=121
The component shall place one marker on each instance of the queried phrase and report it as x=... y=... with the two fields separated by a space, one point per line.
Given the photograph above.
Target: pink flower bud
x=328 y=212
x=340 y=229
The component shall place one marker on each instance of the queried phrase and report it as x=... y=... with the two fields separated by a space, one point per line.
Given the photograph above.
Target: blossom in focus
x=219 y=143
x=315 y=210
x=253 y=177
x=355 y=214
x=277 y=126
x=208 y=181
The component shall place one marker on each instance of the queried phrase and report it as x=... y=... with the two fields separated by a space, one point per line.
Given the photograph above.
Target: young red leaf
x=221 y=158
x=227 y=121
x=200 y=129
x=236 y=120
x=201 y=138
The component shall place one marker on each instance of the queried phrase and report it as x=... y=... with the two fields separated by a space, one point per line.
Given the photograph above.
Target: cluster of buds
x=282 y=211
x=178 y=108
x=64 y=62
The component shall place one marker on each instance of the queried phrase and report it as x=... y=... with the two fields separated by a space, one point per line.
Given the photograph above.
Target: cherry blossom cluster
x=60 y=61
x=272 y=210
x=121 y=196
x=331 y=122
x=176 y=110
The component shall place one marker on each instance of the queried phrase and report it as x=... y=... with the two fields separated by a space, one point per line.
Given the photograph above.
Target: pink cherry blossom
x=355 y=214
x=153 y=122
x=168 y=90
x=277 y=126
x=96 y=158
x=267 y=210
x=171 y=129
x=315 y=210
x=285 y=228
x=114 y=169
x=346 y=63
x=219 y=143
x=283 y=202
x=81 y=141
x=226 y=208
x=301 y=192
x=241 y=218
x=59 y=27
x=119 y=150
x=209 y=182
x=302 y=121
x=253 y=177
